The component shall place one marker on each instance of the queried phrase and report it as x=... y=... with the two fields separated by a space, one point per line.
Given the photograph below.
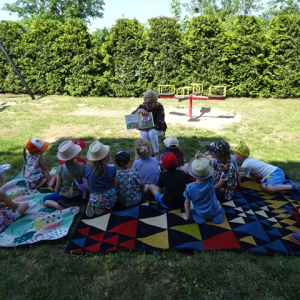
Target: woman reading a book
x=152 y=134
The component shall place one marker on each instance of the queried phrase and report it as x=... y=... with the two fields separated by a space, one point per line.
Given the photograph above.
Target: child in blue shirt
x=201 y=202
x=100 y=179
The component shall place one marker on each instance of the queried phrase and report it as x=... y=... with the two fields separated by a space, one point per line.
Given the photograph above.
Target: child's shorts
x=275 y=178
x=105 y=199
x=159 y=198
x=57 y=197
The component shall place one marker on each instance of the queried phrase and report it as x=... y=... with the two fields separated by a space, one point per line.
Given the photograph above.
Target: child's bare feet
x=184 y=216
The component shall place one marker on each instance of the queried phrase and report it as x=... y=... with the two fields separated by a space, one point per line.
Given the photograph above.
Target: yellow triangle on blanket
x=252 y=185
x=248 y=239
x=276 y=203
x=159 y=240
x=176 y=212
x=292 y=228
x=277 y=225
x=288 y=221
x=224 y=224
x=190 y=229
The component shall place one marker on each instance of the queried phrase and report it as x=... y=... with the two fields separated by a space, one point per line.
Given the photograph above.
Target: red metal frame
x=195 y=97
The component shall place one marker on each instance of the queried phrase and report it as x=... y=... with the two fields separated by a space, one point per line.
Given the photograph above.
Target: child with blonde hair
x=9 y=210
x=101 y=180
x=69 y=178
x=35 y=170
x=146 y=165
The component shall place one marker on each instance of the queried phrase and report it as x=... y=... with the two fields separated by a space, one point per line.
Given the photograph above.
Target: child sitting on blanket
x=101 y=180
x=224 y=171
x=9 y=210
x=146 y=165
x=211 y=155
x=172 y=145
x=271 y=177
x=78 y=158
x=201 y=202
x=35 y=170
x=171 y=184
x=130 y=187
x=69 y=178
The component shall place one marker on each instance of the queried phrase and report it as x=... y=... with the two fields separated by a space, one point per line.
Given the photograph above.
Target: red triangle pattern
x=94 y=248
x=127 y=228
x=128 y=244
x=76 y=251
x=98 y=236
x=225 y=240
x=113 y=240
x=84 y=231
x=112 y=249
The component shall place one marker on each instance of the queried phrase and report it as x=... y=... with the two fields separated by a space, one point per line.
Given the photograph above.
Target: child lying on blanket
x=9 y=211
x=271 y=177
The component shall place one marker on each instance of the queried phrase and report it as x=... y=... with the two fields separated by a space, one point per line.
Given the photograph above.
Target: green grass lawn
x=44 y=271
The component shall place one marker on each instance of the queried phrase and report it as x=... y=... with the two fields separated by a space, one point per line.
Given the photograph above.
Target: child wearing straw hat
x=201 y=202
x=101 y=180
x=69 y=178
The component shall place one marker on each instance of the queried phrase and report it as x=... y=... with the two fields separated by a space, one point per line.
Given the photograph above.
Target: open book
x=132 y=121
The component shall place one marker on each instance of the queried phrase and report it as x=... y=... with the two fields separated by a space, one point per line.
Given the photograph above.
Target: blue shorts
x=159 y=197
x=275 y=178
x=56 y=197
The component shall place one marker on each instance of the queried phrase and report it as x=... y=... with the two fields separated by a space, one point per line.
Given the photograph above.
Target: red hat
x=169 y=160
x=36 y=144
x=80 y=143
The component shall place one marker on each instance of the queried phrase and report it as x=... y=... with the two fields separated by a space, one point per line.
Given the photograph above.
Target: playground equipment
x=16 y=70
x=166 y=91
x=192 y=92
x=210 y=97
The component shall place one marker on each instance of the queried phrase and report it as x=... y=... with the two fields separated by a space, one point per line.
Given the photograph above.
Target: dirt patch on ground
x=206 y=117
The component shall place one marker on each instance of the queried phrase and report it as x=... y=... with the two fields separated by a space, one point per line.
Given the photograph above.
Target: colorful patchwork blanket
x=254 y=221
x=39 y=223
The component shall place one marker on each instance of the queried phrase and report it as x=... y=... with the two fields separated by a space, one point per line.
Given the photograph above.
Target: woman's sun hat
x=171 y=142
x=67 y=150
x=200 y=168
x=36 y=144
x=97 y=151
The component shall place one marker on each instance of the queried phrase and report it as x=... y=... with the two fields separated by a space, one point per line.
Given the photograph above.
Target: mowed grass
x=40 y=271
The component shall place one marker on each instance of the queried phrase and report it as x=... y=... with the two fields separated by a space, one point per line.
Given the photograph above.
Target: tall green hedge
x=57 y=58
x=282 y=73
x=202 y=60
x=244 y=52
x=163 y=52
x=122 y=52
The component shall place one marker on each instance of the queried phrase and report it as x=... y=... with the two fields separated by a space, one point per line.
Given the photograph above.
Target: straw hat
x=97 y=151
x=200 y=168
x=67 y=150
